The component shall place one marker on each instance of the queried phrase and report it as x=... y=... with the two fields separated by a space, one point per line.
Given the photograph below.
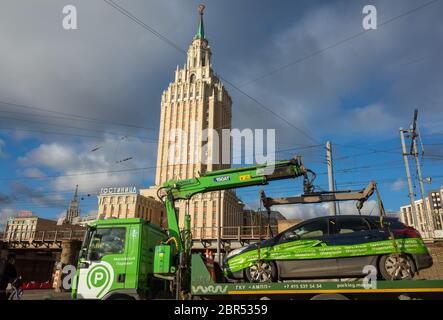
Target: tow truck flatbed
x=203 y=285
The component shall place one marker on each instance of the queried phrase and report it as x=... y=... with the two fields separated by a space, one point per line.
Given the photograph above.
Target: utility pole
x=332 y=205
x=408 y=175
x=219 y=259
x=338 y=203
x=429 y=225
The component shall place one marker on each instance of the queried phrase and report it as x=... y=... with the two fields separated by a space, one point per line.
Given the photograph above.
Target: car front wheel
x=396 y=267
x=262 y=271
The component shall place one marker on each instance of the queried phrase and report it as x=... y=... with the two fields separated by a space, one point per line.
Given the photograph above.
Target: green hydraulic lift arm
x=222 y=180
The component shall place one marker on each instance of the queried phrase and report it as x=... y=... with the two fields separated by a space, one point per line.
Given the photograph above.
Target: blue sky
x=65 y=93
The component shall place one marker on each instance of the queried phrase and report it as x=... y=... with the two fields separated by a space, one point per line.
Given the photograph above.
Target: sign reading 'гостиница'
x=113 y=190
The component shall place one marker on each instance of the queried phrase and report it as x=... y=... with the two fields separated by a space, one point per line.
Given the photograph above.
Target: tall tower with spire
x=73 y=211
x=196 y=101
x=194 y=110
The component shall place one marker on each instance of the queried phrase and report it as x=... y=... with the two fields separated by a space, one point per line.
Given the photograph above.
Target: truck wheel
x=262 y=271
x=120 y=297
x=396 y=267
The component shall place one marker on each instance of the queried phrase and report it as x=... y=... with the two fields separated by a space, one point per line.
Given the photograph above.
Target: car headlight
x=235 y=252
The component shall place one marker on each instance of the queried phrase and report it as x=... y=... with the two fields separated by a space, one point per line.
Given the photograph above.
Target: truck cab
x=116 y=260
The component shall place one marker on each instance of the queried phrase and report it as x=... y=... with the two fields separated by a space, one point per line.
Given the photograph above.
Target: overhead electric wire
x=120 y=170
x=84 y=118
x=73 y=127
x=129 y=15
x=64 y=133
x=346 y=184
x=336 y=44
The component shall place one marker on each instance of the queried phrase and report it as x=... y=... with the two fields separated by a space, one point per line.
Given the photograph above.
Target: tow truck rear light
x=409 y=232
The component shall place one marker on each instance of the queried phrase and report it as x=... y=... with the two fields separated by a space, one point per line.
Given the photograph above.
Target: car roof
x=351 y=216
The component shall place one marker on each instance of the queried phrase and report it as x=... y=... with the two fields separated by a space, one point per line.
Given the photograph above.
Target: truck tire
x=264 y=271
x=396 y=267
x=120 y=297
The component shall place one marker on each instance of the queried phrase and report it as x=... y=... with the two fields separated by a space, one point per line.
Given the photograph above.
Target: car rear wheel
x=262 y=271
x=396 y=267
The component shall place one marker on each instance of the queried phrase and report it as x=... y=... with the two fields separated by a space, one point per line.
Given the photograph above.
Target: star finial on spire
x=201 y=29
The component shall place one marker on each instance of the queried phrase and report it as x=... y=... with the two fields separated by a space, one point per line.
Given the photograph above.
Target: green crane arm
x=222 y=180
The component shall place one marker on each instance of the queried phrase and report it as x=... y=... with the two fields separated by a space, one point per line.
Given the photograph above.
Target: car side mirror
x=292 y=236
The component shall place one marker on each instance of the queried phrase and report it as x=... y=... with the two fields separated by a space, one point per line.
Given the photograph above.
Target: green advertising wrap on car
x=316 y=249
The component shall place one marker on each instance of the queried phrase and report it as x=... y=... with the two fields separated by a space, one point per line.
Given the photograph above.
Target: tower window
x=192 y=79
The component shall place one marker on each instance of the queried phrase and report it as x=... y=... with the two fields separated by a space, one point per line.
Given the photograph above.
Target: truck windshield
x=104 y=241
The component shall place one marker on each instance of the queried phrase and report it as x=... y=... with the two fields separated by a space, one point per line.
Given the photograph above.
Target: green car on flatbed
x=204 y=286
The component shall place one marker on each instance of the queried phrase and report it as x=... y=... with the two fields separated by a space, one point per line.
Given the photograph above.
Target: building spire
x=201 y=28
x=73 y=211
x=76 y=193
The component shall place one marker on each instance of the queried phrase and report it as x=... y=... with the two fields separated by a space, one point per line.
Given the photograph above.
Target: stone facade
x=26 y=228
x=434 y=203
x=131 y=205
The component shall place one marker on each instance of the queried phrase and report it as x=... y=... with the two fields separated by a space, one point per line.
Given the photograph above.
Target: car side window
x=351 y=225
x=313 y=229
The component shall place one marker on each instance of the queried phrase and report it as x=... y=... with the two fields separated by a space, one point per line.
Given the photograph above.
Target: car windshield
x=106 y=241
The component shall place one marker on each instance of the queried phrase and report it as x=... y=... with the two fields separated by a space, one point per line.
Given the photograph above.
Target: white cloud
x=77 y=164
x=52 y=155
x=33 y=173
x=2 y=144
x=317 y=210
x=5 y=214
x=398 y=185
x=372 y=118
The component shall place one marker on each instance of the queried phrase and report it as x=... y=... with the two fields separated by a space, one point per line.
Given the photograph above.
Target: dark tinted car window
x=392 y=222
x=351 y=224
x=317 y=228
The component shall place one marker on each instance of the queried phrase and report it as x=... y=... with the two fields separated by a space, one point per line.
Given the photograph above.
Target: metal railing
x=227 y=233
x=45 y=236
x=233 y=233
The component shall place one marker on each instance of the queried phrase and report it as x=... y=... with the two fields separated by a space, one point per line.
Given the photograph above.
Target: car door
x=304 y=242
x=351 y=233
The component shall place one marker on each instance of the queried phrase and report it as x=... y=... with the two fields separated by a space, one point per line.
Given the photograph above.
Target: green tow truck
x=134 y=259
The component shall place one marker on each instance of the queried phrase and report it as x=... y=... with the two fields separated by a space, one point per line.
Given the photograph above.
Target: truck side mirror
x=94 y=256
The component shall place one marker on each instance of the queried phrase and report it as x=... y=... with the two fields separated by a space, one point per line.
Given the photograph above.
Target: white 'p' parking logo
x=100 y=278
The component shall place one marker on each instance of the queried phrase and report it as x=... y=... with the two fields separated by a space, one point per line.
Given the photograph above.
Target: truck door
x=130 y=276
x=104 y=262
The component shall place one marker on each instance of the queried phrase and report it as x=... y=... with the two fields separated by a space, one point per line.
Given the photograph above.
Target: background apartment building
x=435 y=214
x=26 y=227
x=125 y=202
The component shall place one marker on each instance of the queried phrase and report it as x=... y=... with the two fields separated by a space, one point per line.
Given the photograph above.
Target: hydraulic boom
x=232 y=178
